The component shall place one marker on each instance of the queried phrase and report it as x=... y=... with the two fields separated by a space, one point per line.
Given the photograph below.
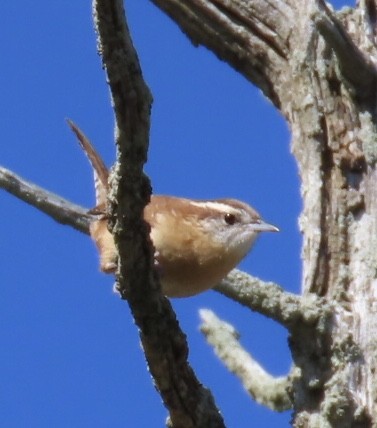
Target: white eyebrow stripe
x=217 y=206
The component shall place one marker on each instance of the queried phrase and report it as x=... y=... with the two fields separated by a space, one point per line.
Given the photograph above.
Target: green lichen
x=368 y=135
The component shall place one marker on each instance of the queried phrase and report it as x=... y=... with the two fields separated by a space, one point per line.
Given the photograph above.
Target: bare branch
x=59 y=209
x=266 y=298
x=360 y=72
x=165 y=346
x=251 y=36
x=271 y=300
x=263 y=387
x=239 y=286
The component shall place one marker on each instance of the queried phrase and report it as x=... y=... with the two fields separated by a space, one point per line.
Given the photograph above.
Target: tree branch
x=59 y=209
x=356 y=67
x=252 y=37
x=165 y=346
x=264 y=297
x=271 y=300
x=264 y=388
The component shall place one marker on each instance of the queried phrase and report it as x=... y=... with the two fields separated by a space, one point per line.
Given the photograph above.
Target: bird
x=197 y=242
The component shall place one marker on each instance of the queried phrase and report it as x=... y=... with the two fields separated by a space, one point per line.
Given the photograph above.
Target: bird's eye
x=230 y=218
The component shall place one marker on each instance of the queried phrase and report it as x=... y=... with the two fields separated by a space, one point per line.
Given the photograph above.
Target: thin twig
x=264 y=388
x=59 y=209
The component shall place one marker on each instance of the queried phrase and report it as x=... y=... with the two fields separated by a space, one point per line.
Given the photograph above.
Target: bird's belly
x=184 y=279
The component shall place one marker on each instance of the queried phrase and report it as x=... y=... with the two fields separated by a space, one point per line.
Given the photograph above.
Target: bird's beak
x=264 y=227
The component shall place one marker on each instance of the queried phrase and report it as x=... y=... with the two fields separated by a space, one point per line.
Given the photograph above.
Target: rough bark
x=165 y=346
x=318 y=68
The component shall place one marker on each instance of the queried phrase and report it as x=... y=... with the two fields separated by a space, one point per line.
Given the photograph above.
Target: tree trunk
x=317 y=67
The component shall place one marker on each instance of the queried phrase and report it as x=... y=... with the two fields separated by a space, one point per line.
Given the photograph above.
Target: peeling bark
x=319 y=68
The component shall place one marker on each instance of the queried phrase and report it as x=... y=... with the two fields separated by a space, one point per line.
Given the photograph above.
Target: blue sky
x=70 y=354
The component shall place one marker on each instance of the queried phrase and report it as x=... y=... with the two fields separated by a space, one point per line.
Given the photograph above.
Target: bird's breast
x=190 y=262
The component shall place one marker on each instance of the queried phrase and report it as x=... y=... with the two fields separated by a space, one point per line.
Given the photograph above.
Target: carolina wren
x=197 y=242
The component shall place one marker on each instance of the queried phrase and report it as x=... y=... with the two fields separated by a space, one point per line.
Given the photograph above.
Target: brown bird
x=197 y=242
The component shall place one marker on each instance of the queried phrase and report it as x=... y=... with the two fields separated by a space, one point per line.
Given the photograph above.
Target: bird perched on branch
x=197 y=242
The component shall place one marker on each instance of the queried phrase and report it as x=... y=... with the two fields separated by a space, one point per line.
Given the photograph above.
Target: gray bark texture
x=318 y=67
